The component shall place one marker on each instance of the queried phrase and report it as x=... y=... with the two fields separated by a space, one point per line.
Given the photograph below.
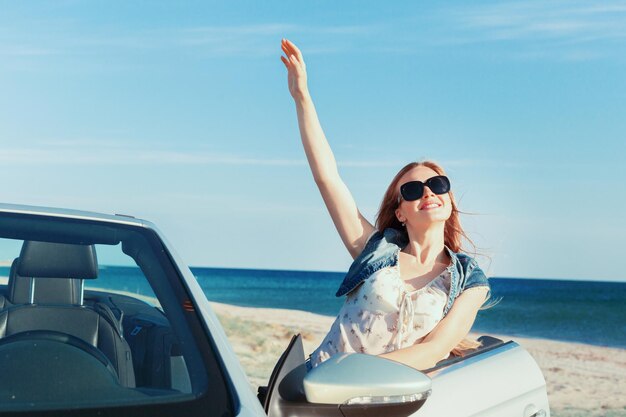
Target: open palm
x=296 y=69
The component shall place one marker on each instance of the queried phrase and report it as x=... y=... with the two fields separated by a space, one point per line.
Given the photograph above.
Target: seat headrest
x=46 y=291
x=57 y=260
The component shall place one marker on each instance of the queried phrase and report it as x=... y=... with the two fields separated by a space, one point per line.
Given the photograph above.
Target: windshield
x=91 y=316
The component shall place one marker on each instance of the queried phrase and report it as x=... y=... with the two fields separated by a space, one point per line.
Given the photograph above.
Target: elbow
x=427 y=365
x=321 y=180
x=325 y=180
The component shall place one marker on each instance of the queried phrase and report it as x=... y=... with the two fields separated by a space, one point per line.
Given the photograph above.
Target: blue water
x=581 y=311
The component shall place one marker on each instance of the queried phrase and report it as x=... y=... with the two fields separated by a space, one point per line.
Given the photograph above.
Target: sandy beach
x=582 y=380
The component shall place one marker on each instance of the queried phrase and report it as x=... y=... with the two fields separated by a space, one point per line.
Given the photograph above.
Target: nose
x=427 y=192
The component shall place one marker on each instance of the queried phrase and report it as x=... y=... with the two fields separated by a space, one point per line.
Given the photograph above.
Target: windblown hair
x=453 y=234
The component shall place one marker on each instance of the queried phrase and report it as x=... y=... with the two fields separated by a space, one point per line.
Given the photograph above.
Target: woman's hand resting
x=296 y=69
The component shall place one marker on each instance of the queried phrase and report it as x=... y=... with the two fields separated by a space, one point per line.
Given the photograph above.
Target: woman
x=411 y=296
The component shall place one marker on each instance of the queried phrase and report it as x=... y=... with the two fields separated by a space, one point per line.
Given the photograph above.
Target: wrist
x=302 y=98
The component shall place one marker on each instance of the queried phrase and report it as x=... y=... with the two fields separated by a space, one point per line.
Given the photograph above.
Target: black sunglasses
x=414 y=190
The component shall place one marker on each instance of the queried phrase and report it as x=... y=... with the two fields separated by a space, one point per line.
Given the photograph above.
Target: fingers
x=291 y=63
x=297 y=66
x=290 y=49
x=295 y=49
x=287 y=52
x=286 y=49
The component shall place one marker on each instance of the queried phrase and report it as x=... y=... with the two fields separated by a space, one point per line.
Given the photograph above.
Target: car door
x=285 y=394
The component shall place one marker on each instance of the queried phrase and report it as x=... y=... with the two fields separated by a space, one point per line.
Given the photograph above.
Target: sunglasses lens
x=439 y=184
x=412 y=191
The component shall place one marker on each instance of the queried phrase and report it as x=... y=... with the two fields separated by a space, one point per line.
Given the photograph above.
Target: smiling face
x=430 y=208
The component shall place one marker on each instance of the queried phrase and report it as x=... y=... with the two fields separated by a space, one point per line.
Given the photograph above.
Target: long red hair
x=453 y=232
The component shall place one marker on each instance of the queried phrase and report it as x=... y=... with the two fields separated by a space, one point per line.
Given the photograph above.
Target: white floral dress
x=381 y=315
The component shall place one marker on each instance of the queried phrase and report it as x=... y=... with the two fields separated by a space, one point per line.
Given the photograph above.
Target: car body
x=81 y=337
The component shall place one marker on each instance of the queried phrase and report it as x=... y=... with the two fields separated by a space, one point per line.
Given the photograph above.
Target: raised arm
x=353 y=228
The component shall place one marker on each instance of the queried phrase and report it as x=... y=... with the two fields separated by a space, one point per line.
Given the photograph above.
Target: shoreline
x=582 y=379
x=477 y=332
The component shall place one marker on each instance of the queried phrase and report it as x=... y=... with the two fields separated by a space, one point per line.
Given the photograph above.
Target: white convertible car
x=79 y=337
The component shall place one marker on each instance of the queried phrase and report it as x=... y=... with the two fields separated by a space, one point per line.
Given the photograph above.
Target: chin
x=434 y=215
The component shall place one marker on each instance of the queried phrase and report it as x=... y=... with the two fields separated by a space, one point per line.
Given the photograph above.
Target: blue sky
x=178 y=112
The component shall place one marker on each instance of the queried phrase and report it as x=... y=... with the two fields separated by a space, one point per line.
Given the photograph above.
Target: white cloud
x=579 y=30
x=97 y=152
x=69 y=156
x=220 y=40
x=26 y=51
x=539 y=29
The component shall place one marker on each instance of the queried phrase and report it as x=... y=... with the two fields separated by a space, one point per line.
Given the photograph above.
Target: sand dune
x=582 y=380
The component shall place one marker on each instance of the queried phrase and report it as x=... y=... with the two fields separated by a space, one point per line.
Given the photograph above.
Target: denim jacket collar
x=382 y=251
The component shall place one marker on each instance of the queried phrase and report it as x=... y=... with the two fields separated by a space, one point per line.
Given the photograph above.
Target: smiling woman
x=411 y=293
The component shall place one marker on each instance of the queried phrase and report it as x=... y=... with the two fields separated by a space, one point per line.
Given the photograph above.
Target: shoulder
x=379 y=252
x=474 y=275
x=383 y=241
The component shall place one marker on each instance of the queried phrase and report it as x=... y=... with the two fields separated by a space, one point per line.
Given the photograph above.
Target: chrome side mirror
x=357 y=381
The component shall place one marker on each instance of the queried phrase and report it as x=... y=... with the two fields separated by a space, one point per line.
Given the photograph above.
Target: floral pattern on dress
x=381 y=315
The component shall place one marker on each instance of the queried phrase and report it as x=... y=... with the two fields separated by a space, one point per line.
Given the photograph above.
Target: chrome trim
x=69 y=214
x=389 y=399
x=358 y=377
x=82 y=292
x=31 y=291
x=474 y=359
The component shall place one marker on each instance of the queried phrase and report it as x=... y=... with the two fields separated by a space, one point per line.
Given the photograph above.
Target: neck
x=427 y=246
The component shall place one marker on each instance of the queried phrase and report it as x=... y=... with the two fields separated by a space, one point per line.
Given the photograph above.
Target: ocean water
x=580 y=311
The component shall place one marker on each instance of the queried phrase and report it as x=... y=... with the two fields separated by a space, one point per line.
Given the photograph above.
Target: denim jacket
x=382 y=250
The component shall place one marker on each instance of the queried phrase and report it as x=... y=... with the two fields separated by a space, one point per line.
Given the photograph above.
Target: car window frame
x=217 y=397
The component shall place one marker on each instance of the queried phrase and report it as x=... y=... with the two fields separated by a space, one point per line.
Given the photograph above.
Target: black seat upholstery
x=49 y=290
x=43 y=301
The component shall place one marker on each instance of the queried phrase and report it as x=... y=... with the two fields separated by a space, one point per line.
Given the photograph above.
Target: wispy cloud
x=578 y=30
x=260 y=39
x=70 y=156
x=26 y=51
x=255 y=40
x=562 y=30
x=117 y=153
x=71 y=153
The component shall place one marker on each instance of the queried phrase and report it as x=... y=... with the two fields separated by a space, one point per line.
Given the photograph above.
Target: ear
x=400 y=216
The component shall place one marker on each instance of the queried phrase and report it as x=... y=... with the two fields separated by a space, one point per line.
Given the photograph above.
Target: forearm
x=316 y=147
x=445 y=336
x=350 y=223
x=421 y=356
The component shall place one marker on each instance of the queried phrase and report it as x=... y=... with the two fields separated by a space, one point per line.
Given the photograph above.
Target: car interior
x=67 y=339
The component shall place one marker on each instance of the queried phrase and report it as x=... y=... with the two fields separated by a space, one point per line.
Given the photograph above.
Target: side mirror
x=362 y=384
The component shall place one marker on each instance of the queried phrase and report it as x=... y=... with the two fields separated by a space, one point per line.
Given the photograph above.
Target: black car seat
x=49 y=291
x=52 y=291
x=46 y=290
x=21 y=290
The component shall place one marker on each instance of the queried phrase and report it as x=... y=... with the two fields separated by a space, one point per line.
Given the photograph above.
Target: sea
x=589 y=312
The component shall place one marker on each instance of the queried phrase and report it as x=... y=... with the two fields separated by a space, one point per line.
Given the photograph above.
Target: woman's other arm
x=446 y=335
x=353 y=228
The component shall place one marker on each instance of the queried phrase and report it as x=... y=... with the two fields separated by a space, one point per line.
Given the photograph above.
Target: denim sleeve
x=476 y=277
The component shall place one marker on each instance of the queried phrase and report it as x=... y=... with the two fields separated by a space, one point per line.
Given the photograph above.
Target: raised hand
x=353 y=228
x=296 y=69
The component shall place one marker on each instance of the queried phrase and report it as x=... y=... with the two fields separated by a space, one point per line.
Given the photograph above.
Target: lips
x=430 y=205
